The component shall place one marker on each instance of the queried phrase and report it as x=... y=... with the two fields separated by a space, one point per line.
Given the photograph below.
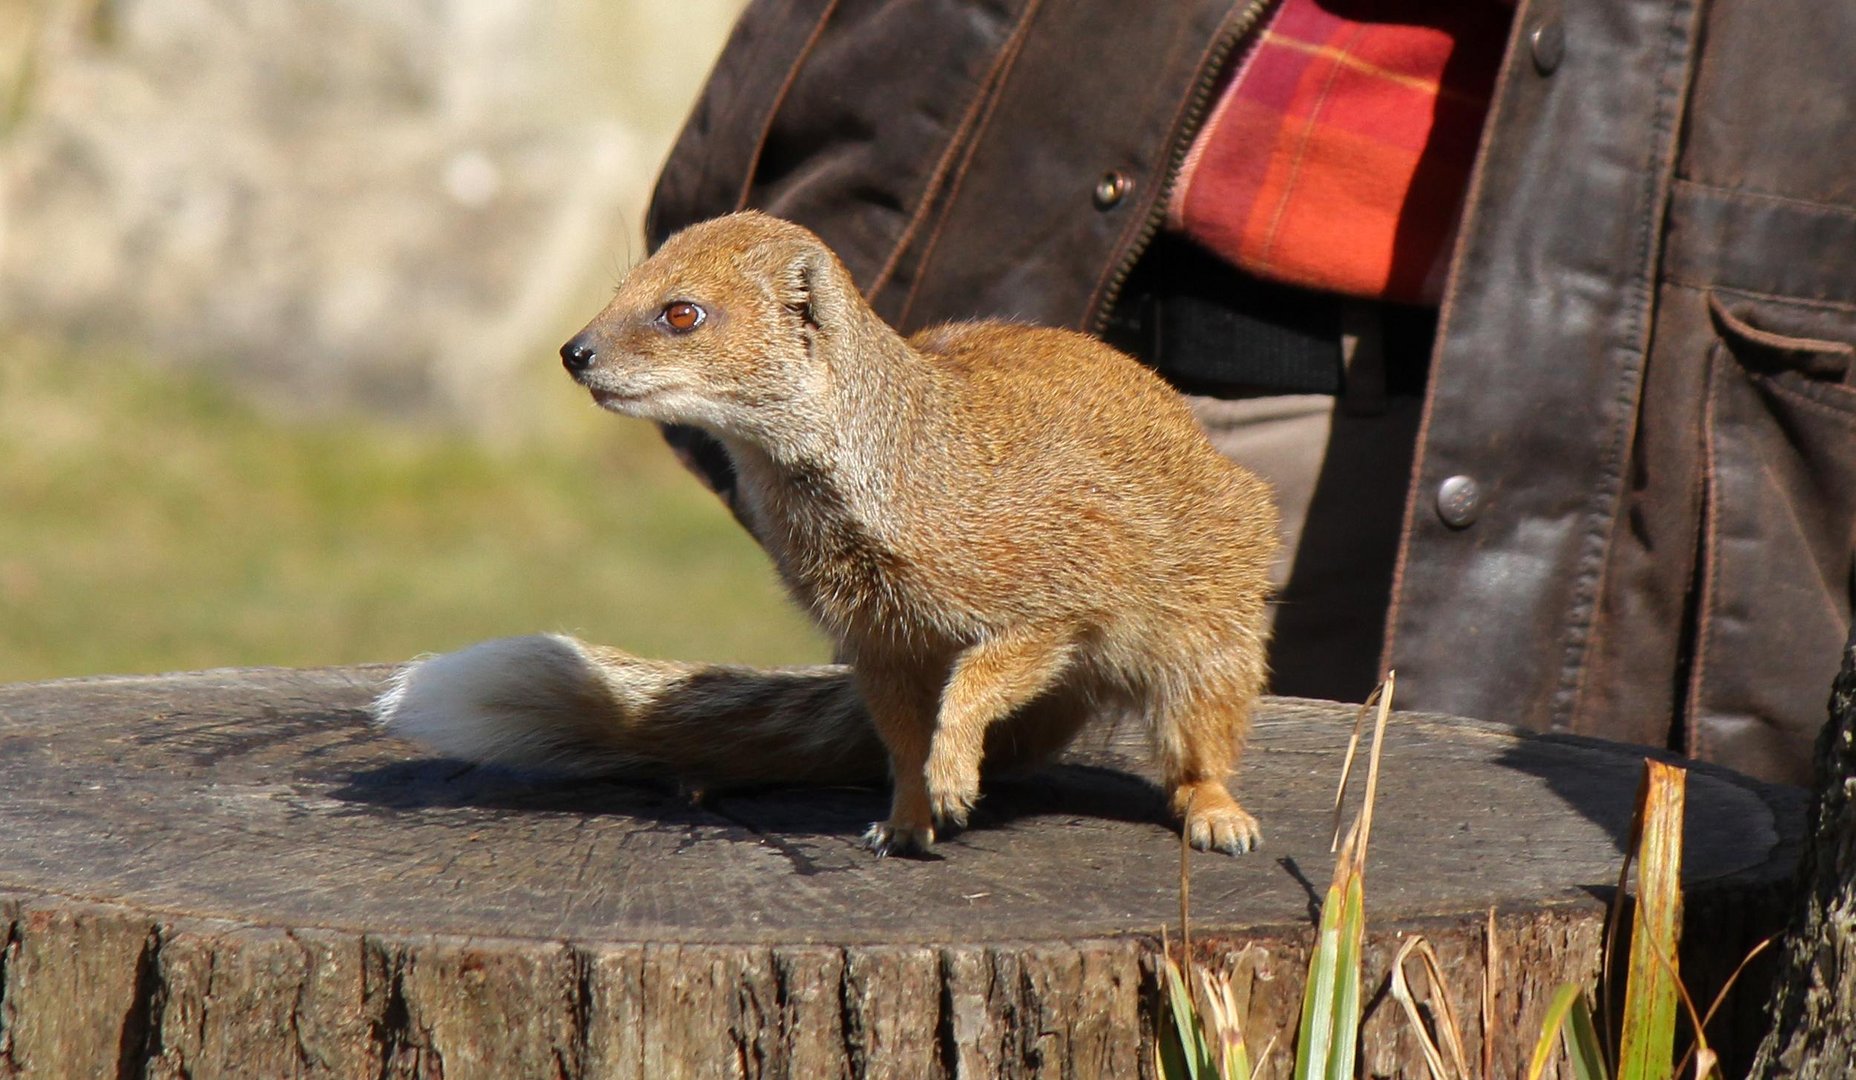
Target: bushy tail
x=555 y=701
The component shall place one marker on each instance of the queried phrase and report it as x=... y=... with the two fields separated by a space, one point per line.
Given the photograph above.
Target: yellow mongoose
x=1007 y=530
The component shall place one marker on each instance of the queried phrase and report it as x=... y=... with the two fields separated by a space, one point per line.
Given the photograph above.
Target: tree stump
x=232 y=873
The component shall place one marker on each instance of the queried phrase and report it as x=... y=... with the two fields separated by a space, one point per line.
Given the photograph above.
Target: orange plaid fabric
x=1337 y=155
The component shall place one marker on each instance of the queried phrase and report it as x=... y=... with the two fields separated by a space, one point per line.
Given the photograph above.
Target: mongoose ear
x=811 y=286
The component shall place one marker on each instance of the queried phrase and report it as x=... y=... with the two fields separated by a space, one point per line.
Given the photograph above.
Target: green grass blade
x=1561 y=1004
x=1315 y=1036
x=1581 y=1038
x=1646 y=1048
x=1185 y=1056
x=1329 y=1035
x=1169 y=1060
x=1347 y=1001
x=1236 y=1061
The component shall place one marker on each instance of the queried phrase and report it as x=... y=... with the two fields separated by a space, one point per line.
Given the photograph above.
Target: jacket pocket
x=1777 y=569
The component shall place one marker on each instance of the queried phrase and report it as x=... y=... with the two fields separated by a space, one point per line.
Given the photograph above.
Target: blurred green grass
x=155 y=521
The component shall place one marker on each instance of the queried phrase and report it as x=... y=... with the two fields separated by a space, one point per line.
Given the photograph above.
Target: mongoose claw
x=950 y=811
x=1227 y=829
x=886 y=839
x=953 y=787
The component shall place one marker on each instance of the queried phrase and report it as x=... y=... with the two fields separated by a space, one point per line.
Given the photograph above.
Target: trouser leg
x=1340 y=478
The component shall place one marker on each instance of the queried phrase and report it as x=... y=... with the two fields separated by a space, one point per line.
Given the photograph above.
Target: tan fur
x=1006 y=529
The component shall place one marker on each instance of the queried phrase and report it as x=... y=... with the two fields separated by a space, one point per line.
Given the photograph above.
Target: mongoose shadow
x=1064 y=790
x=705 y=728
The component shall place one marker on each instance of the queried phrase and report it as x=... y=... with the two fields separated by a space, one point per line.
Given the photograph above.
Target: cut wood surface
x=232 y=873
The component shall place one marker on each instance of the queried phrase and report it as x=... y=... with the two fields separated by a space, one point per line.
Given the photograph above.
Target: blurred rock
x=343 y=201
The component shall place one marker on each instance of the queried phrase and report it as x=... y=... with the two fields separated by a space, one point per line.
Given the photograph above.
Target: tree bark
x=235 y=874
x=1813 y=1031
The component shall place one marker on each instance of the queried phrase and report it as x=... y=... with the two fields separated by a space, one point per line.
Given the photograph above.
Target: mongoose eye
x=681 y=316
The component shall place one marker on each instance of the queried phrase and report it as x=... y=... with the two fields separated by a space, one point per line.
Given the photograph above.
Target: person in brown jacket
x=1561 y=408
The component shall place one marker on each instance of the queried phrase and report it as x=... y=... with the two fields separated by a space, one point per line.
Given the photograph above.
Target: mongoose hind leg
x=1199 y=743
x=990 y=680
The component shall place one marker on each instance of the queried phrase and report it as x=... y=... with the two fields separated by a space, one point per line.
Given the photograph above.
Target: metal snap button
x=1459 y=500
x=1548 y=44
x=1112 y=189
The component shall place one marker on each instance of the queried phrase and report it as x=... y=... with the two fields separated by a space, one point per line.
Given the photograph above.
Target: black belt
x=1209 y=328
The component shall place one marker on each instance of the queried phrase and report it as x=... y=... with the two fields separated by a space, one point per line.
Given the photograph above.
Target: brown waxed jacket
x=1642 y=401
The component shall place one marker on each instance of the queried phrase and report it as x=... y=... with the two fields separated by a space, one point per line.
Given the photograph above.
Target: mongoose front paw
x=1226 y=828
x=886 y=839
x=953 y=788
x=950 y=809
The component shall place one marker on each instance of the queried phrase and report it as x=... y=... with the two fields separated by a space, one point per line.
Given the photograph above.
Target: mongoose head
x=721 y=329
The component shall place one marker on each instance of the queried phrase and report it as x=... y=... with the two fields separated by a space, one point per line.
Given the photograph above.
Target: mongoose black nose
x=577 y=355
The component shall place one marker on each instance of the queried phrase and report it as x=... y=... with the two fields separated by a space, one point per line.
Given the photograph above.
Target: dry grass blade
x=1269 y=1047
x=1185 y=893
x=1206 y=1038
x=1372 y=772
x=1401 y=993
x=1668 y=965
x=1653 y=984
x=1491 y=992
x=1226 y=1035
x=1444 y=1011
x=1700 y=1046
x=1347 y=759
x=1218 y=1002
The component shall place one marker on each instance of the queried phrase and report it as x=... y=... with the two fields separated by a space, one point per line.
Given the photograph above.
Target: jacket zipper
x=1235 y=30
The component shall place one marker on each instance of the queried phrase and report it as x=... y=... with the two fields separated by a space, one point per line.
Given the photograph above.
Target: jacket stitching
x=1602 y=513
x=1499 y=98
x=1763 y=196
x=979 y=119
x=1710 y=562
x=1688 y=631
x=1733 y=328
x=965 y=137
x=779 y=99
x=1782 y=298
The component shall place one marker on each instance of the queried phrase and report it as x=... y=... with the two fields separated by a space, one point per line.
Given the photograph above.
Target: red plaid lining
x=1337 y=156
